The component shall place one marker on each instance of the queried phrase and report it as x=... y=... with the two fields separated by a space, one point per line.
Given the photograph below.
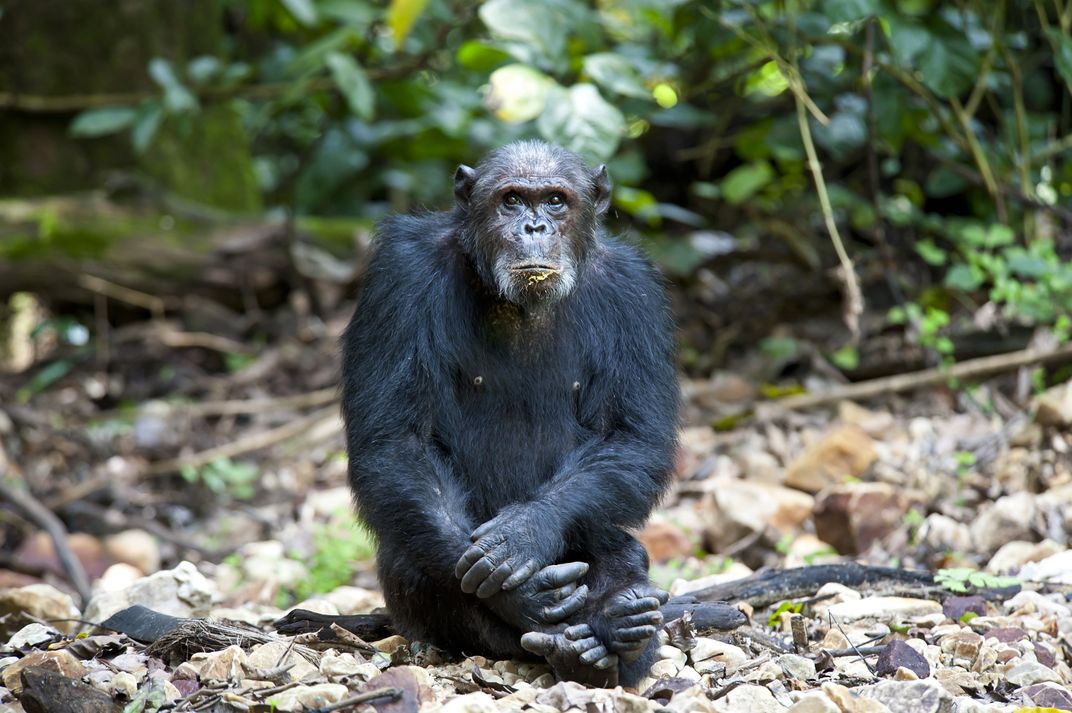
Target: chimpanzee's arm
x=406 y=491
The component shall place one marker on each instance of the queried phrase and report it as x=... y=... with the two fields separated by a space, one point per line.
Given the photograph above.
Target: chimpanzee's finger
x=577 y=632
x=520 y=575
x=484 y=529
x=470 y=557
x=625 y=607
x=539 y=644
x=477 y=574
x=493 y=584
x=567 y=607
x=648 y=618
x=638 y=634
x=557 y=575
x=595 y=652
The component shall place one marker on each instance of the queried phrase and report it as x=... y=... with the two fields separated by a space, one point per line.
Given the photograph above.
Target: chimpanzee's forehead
x=534 y=160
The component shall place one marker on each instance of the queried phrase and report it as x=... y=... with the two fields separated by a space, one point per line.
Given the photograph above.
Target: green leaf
x=850 y=10
x=517 y=92
x=615 y=73
x=177 y=98
x=847 y=358
x=531 y=23
x=353 y=83
x=480 y=57
x=931 y=253
x=583 y=121
x=965 y=278
x=401 y=16
x=103 y=121
x=304 y=11
x=1063 y=56
x=908 y=38
x=743 y=182
x=949 y=65
x=149 y=120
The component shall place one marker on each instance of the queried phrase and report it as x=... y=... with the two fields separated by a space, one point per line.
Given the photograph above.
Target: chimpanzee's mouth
x=535 y=272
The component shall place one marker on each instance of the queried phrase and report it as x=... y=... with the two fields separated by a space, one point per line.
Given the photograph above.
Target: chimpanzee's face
x=531 y=213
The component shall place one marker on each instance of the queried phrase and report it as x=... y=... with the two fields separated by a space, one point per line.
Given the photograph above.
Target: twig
x=259 y=405
x=47 y=521
x=253 y=442
x=391 y=694
x=965 y=370
x=853 y=646
x=854 y=301
x=137 y=298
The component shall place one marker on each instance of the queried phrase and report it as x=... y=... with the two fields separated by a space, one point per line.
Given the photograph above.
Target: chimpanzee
x=510 y=403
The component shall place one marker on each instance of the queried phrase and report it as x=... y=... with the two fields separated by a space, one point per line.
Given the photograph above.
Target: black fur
x=461 y=405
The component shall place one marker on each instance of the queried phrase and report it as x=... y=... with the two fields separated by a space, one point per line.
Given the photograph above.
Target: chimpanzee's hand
x=507 y=550
x=545 y=599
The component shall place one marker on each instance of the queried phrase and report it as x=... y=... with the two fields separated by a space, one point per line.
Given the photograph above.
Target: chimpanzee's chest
x=514 y=420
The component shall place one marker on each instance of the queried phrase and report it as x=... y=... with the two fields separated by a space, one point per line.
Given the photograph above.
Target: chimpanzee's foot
x=632 y=617
x=575 y=655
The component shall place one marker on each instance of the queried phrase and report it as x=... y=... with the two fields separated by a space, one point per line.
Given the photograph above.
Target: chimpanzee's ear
x=464 y=178
x=601 y=184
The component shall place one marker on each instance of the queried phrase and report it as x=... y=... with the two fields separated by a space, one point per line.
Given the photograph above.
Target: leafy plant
x=962 y=580
x=337 y=547
x=224 y=476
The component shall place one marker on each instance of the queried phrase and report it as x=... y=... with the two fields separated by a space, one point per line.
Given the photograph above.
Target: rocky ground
x=955 y=483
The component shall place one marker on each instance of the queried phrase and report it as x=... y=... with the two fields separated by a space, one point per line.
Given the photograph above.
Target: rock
x=266 y=562
x=796 y=667
x=37 y=550
x=182 y=591
x=46 y=691
x=843 y=452
x=60 y=661
x=897 y=655
x=873 y=423
x=227 y=665
x=124 y=686
x=736 y=570
x=674 y=654
x=956 y=681
x=1055 y=568
x=1046 y=695
x=956 y=607
x=1053 y=407
x=807 y=550
x=1009 y=518
x=1012 y=556
x=754 y=699
x=965 y=646
x=663 y=540
x=664 y=668
x=883 y=609
x=354 y=600
x=940 y=533
x=119 y=576
x=737 y=508
x=849 y=702
x=1028 y=673
x=814 y=702
x=336 y=666
x=713 y=650
x=302 y=698
x=1007 y=634
x=32 y=636
x=37 y=601
x=760 y=467
x=478 y=702
x=319 y=605
x=910 y=696
x=414 y=682
x=853 y=516
x=134 y=547
x=264 y=657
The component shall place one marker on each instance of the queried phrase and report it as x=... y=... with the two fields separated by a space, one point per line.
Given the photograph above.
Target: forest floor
x=201 y=477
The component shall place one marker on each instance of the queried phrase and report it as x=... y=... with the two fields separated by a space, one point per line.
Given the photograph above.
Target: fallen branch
x=965 y=370
x=47 y=521
x=253 y=442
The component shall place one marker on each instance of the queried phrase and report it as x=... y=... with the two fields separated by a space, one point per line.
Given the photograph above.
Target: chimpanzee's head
x=530 y=213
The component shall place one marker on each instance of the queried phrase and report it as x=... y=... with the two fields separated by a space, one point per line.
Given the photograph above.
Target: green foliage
x=775 y=618
x=338 y=546
x=224 y=476
x=961 y=580
x=964 y=112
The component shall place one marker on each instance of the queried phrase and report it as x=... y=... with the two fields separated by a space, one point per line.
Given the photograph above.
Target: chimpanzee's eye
x=512 y=199
x=556 y=199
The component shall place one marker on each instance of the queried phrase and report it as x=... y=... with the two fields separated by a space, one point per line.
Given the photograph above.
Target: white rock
x=1010 y=518
x=925 y=696
x=883 y=609
x=304 y=697
x=754 y=699
x=672 y=653
x=478 y=702
x=1029 y=673
x=797 y=667
x=182 y=591
x=31 y=635
x=941 y=532
x=714 y=650
x=814 y=702
x=1055 y=569
x=1012 y=556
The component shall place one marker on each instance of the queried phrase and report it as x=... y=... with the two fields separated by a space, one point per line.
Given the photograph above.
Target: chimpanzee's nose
x=535 y=226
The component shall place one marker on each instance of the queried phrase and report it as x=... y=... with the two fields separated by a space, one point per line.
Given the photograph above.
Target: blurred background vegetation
x=888 y=182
